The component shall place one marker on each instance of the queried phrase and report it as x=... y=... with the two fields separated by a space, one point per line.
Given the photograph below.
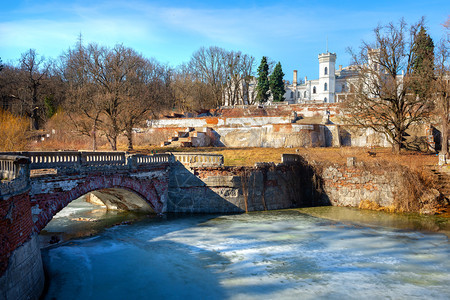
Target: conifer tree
x=423 y=64
x=262 y=88
x=277 y=84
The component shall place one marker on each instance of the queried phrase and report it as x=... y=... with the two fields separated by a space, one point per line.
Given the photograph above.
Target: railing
x=82 y=160
x=199 y=160
x=139 y=159
x=69 y=161
x=15 y=174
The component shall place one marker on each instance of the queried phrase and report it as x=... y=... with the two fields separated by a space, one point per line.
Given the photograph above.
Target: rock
x=430 y=201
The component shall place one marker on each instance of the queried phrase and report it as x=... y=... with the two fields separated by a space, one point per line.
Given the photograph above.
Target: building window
x=304 y=94
x=325 y=87
x=314 y=89
x=298 y=94
x=326 y=71
x=292 y=95
x=343 y=88
x=325 y=100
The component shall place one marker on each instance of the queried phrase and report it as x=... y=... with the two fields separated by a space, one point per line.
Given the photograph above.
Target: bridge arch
x=48 y=197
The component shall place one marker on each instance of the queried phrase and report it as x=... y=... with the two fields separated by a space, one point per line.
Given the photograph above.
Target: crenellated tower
x=327 y=77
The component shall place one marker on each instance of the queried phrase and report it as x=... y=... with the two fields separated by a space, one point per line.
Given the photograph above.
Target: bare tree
x=442 y=84
x=384 y=98
x=113 y=90
x=148 y=92
x=82 y=103
x=239 y=71
x=207 y=65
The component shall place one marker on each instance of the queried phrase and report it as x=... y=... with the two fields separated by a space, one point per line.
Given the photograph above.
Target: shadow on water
x=152 y=267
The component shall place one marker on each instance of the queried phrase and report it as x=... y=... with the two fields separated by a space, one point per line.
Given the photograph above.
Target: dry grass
x=250 y=156
x=13 y=132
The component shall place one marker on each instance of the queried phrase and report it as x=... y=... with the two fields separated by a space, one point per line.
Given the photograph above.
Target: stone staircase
x=189 y=137
x=443 y=180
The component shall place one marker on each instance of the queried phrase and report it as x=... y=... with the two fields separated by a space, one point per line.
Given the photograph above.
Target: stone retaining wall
x=24 y=278
x=240 y=189
x=348 y=186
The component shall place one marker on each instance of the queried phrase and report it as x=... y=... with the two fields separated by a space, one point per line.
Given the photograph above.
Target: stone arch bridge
x=36 y=185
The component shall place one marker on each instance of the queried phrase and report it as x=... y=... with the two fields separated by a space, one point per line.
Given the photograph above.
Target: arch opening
x=93 y=212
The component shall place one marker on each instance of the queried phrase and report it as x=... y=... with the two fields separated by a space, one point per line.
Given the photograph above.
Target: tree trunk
x=34 y=109
x=129 y=134
x=444 y=142
x=94 y=136
x=397 y=141
x=112 y=142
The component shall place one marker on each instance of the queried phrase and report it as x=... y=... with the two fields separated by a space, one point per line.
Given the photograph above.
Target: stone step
x=186 y=144
x=182 y=134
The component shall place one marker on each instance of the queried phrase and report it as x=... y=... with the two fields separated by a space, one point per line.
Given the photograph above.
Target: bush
x=14 y=131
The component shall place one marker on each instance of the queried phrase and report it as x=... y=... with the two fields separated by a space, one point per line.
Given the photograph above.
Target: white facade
x=332 y=86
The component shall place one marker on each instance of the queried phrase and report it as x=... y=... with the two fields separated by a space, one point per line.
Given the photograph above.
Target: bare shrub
x=13 y=132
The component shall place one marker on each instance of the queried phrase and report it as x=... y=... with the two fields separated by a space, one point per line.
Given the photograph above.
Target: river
x=310 y=253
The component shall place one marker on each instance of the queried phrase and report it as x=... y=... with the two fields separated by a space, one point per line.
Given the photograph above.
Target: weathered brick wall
x=24 y=278
x=16 y=225
x=348 y=186
x=240 y=189
x=50 y=194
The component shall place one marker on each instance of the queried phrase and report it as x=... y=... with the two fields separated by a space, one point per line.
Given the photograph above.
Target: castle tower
x=327 y=77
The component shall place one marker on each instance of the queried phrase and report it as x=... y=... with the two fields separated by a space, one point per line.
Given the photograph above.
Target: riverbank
x=417 y=173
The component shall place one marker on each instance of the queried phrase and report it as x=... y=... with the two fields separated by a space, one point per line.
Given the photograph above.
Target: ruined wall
x=240 y=189
x=21 y=272
x=24 y=278
x=16 y=225
x=383 y=187
x=348 y=186
x=276 y=136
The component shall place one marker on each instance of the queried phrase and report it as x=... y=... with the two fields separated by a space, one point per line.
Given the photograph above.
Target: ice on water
x=277 y=255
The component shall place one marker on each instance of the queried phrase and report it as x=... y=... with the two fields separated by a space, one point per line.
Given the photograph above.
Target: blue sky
x=292 y=32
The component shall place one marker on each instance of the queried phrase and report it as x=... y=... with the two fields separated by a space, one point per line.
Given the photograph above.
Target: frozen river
x=332 y=253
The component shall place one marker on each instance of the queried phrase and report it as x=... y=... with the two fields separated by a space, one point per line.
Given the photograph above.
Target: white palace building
x=332 y=86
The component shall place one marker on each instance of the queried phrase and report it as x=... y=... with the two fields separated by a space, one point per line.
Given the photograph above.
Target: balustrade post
x=131 y=161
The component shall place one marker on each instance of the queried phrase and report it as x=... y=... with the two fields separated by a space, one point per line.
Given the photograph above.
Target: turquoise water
x=291 y=254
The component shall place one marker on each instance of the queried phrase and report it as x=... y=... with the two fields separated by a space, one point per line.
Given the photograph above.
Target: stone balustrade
x=15 y=174
x=199 y=160
x=85 y=160
x=139 y=159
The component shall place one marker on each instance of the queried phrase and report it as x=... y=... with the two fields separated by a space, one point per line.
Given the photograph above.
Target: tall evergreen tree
x=276 y=83
x=423 y=63
x=262 y=88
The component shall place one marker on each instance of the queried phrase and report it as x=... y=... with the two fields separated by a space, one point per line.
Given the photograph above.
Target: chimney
x=294 y=81
x=306 y=79
x=340 y=67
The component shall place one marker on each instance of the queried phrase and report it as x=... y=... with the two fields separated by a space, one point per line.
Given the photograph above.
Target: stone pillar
x=24 y=277
x=294 y=80
x=351 y=162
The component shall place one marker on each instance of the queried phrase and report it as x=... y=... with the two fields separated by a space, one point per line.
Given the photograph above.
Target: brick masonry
x=16 y=225
x=239 y=189
x=50 y=194
x=348 y=186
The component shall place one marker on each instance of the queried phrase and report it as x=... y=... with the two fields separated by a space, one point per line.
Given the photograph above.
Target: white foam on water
x=252 y=257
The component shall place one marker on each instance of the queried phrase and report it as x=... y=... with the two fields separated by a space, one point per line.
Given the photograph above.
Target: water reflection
x=405 y=221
